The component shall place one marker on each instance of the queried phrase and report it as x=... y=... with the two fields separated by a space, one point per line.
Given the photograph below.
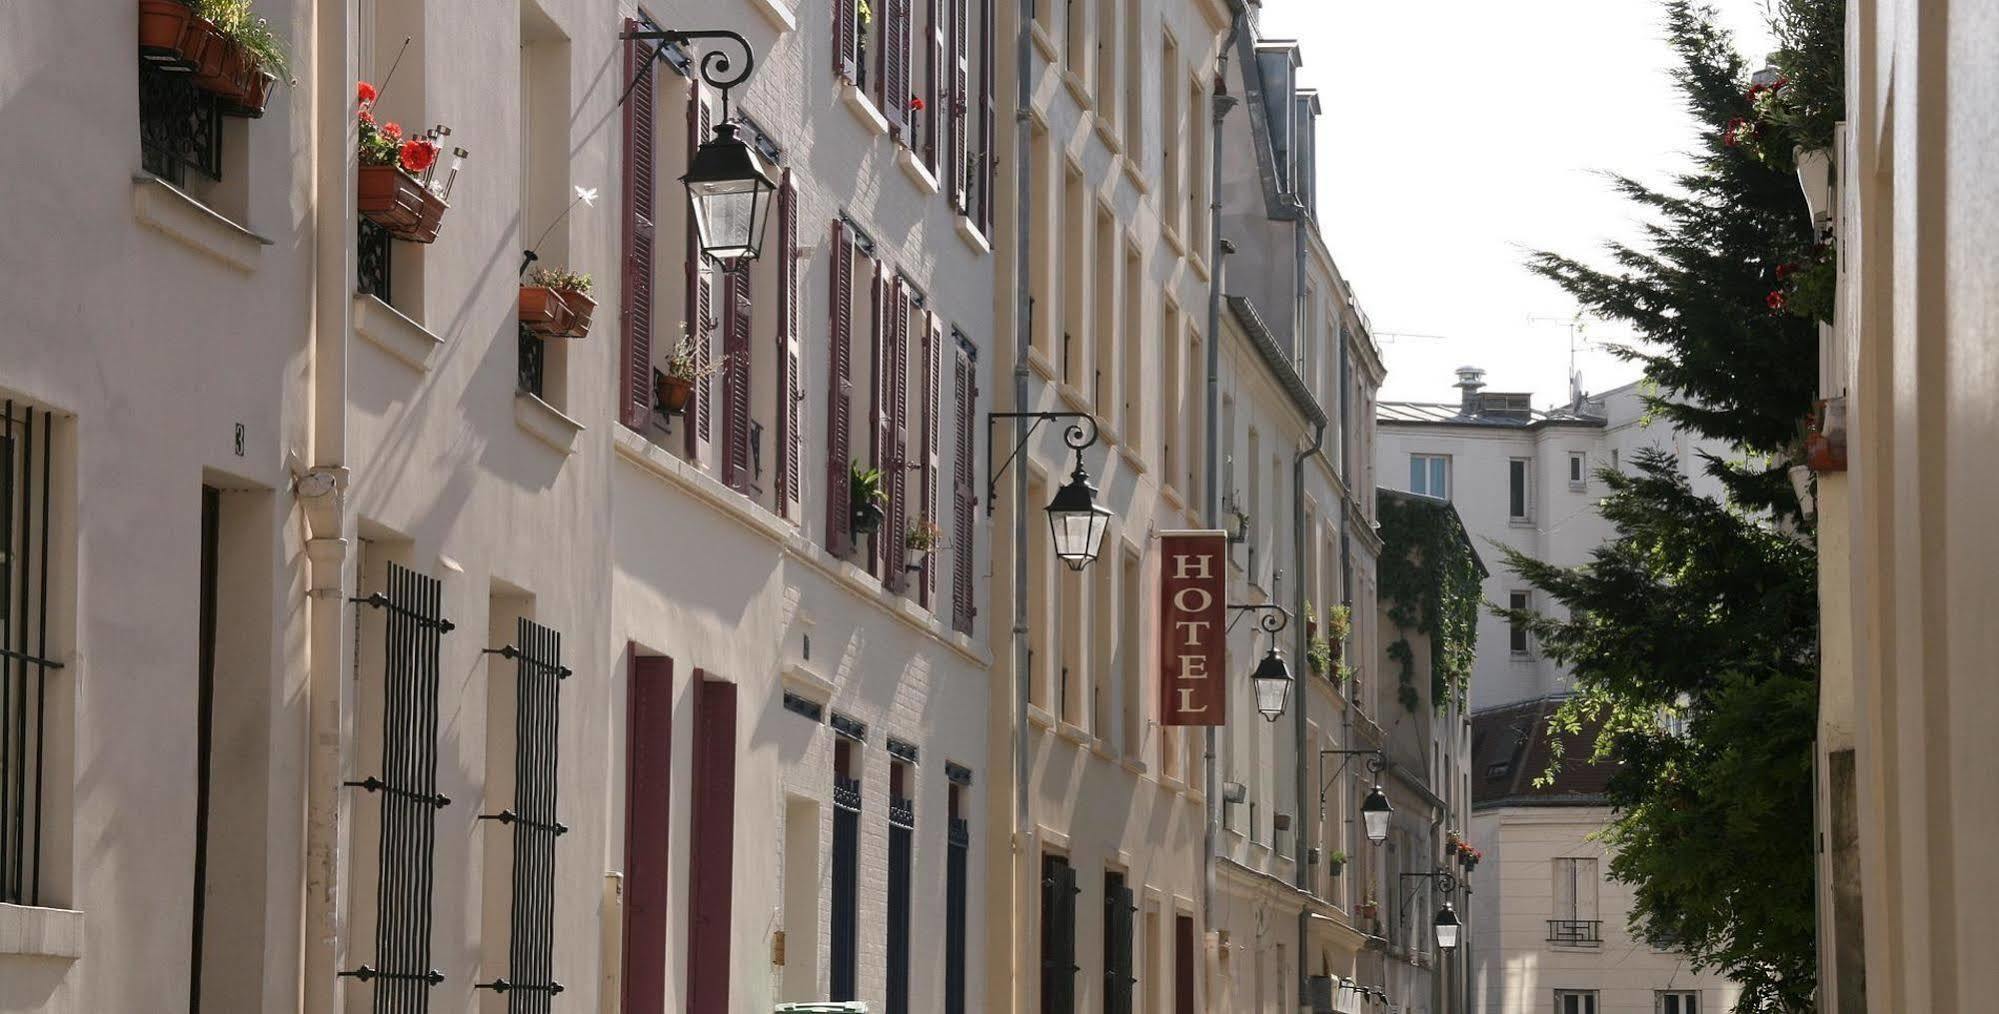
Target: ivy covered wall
x=1430 y=583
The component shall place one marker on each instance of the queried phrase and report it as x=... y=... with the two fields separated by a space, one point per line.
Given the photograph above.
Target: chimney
x=1471 y=380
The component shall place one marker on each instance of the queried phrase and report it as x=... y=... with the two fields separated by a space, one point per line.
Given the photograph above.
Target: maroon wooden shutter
x=878 y=431
x=1183 y=964
x=711 y=852
x=959 y=151
x=700 y=295
x=936 y=100
x=636 y=266
x=789 y=390
x=988 y=112
x=846 y=32
x=933 y=368
x=738 y=470
x=964 y=495
x=648 y=827
x=897 y=553
x=895 y=65
x=840 y=395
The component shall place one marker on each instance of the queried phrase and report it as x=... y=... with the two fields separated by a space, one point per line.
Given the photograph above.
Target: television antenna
x=1574 y=322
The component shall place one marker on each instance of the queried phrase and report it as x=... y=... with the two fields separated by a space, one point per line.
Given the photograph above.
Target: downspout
x=1301 y=768
x=322 y=493
x=1211 y=509
x=1023 y=326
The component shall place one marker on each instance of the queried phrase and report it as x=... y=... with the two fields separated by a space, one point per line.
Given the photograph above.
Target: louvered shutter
x=895 y=64
x=846 y=36
x=879 y=437
x=933 y=369
x=790 y=391
x=988 y=112
x=936 y=102
x=736 y=308
x=636 y=266
x=700 y=295
x=901 y=312
x=840 y=395
x=964 y=496
x=1118 y=909
x=1058 y=937
x=958 y=153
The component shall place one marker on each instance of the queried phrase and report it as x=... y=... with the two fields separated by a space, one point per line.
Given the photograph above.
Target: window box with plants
x=397 y=186
x=556 y=303
x=222 y=44
x=925 y=537
x=867 y=497
x=1336 y=863
x=673 y=383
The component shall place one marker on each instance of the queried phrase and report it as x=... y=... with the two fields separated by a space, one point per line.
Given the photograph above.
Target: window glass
x=1516 y=488
x=1517 y=631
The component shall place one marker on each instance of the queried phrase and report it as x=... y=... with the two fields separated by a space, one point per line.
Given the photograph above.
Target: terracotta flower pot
x=163 y=26
x=221 y=68
x=581 y=306
x=431 y=216
x=672 y=393
x=256 y=94
x=543 y=312
x=394 y=200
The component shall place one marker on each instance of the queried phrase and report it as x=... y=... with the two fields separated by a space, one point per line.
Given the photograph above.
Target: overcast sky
x=1458 y=134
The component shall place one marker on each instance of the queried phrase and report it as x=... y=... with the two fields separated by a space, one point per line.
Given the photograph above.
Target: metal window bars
x=958 y=839
x=1575 y=932
x=533 y=362
x=180 y=126
x=530 y=985
x=413 y=633
x=901 y=848
x=372 y=260
x=25 y=664
x=843 y=978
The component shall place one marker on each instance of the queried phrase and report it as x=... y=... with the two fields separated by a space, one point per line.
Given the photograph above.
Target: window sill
x=778 y=14
x=1172 y=237
x=1578 y=487
x=801 y=680
x=1131 y=457
x=1078 y=88
x=1073 y=733
x=634 y=447
x=972 y=236
x=863 y=108
x=1039 y=716
x=167 y=208
x=918 y=173
x=1133 y=765
x=1075 y=399
x=387 y=329
x=1136 y=174
x=1172 y=498
x=1039 y=361
x=41 y=932
x=545 y=423
x=1107 y=133
x=1042 y=40
x=1520 y=522
x=1199 y=261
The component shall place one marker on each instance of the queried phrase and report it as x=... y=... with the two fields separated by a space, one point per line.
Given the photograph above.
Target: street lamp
x=1374 y=812
x=1273 y=683
x=1076 y=520
x=728 y=187
x=1447 y=927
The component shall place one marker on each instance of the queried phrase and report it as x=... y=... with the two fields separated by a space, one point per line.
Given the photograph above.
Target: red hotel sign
x=1193 y=628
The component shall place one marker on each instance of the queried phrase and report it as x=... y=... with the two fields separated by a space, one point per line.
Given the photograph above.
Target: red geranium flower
x=367 y=117
x=1784 y=271
x=392 y=130
x=916 y=103
x=417 y=155
x=1775 y=300
x=366 y=94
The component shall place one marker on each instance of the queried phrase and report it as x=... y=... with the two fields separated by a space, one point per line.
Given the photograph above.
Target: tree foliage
x=1430 y=579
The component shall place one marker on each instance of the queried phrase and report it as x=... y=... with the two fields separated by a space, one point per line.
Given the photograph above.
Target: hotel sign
x=1193 y=628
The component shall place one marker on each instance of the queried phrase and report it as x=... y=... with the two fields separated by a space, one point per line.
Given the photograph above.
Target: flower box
x=543 y=312
x=163 y=31
x=399 y=203
x=581 y=307
x=172 y=35
x=256 y=94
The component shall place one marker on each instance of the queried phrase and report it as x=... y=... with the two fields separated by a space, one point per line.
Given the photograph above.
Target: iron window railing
x=413 y=635
x=901 y=846
x=958 y=840
x=372 y=260
x=1575 y=932
x=530 y=985
x=180 y=126
x=533 y=362
x=25 y=665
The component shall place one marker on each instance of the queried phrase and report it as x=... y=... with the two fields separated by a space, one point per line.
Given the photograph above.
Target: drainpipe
x=1023 y=327
x=322 y=491
x=1301 y=769
x=1212 y=508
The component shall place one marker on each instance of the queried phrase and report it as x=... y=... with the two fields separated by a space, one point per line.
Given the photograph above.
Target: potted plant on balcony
x=1318 y=650
x=673 y=383
x=867 y=497
x=926 y=536
x=397 y=185
x=228 y=49
x=543 y=311
x=574 y=291
x=1368 y=908
x=1336 y=862
x=1339 y=626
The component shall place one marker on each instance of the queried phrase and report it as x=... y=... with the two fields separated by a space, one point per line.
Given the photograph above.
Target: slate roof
x=1453 y=413
x=1510 y=751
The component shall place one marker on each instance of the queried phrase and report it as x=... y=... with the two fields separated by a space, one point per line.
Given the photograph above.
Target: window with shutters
x=786 y=382
x=1677 y=1001
x=1076 y=218
x=857 y=395
x=1519 y=499
x=1574 y=921
x=1575 y=1001
x=845 y=930
x=1042 y=621
x=1102 y=381
x=543 y=101
x=932 y=78
x=1131 y=606
x=964 y=533
x=1043 y=253
x=1120 y=906
x=957 y=879
x=531 y=825
x=968 y=123
x=1108 y=101
x=1058 y=935
x=1134 y=87
x=638 y=235
x=924 y=446
x=902 y=454
x=1131 y=373
x=1076 y=37
x=985 y=162
x=1197 y=169
x=1185 y=952
x=901 y=856
x=701 y=309
x=1102 y=580
x=1172 y=423
x=1154 y=962
x=391 y=270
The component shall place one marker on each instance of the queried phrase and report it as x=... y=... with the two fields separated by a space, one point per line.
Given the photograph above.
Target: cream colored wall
x=1517 y=969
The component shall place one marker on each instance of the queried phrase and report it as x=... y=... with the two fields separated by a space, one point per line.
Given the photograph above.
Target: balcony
x=1575 y=932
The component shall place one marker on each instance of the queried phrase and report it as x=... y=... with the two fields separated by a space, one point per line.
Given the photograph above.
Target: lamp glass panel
x=729 y=216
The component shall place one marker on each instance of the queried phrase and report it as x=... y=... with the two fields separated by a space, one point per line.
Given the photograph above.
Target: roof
x=1452 y=413
x=1275 y=360
x=1511 y=748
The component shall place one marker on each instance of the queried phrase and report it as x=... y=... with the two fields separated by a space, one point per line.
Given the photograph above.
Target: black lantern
x=1447 y=927
x=1076 y=520
x=1273 y=684
x=729 y=194
x=1374 y=813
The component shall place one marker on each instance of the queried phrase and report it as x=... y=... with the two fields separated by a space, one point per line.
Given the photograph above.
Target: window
x=958 y=840
x=529 y=719
x=1044 y=256
x=964 y=494
x=543 y=101
x=1107 y=97
x=1134 y=84
x=846 y=921
x=1185 y=953
x=1516 y=489
x=1613 y=458
x=1131 y=379
x=1169 y=134
x=1075 y=37
x=648 y=824
x=1172 y=410
x=1575 y=1001
x=1118 y=912
x=30 y=671
x=901 y=840
x=1578 y=470
x=1077 y=220
x=1574 y=922
x=1430 y=475
x=1129 y=608
x=1677 y=1001
x=1058 y=936
x=801 y=901
x=1516 y=631
x=1197 y=170
x=1104 y=357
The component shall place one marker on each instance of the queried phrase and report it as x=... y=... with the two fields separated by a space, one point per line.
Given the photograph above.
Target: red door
x=648 y=810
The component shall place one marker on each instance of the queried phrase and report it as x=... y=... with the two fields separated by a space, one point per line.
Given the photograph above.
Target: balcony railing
x=1576 y=932
x=180 y=127
x=533 y=361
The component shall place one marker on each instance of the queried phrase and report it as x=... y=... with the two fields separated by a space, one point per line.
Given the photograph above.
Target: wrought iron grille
x=1575 y=932
x=530 y=985
x=958 y=841
x=533 y=361
x=372 y=248
x=180 y=126
x=846 y=925
x=901 y=841
x=25 y=665
x=413 y=640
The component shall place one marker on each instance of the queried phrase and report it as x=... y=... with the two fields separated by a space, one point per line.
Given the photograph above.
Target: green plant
x=1431 y=582
x=1343 y=673
x=1337 y=857
x=866 y=485
x=1339 y=622
x=1319 y=654
x=683 y=360
x=560 y=279
x=237 y=20
x=926 y=535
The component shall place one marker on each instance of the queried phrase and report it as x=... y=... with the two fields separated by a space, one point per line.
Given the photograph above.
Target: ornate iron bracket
x=1078 y=436
x=1377 y=762
x=717 y=67
x=1446 y=883
x=1272 y=618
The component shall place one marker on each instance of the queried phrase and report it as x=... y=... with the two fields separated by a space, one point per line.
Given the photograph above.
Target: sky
x=1458 y=135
